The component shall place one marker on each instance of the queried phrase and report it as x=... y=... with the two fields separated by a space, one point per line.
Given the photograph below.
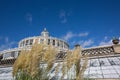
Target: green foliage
x=25 y=76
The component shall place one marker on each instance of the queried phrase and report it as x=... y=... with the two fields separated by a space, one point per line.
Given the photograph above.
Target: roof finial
x=45 y=32
x=115 y=40
x=44 y=29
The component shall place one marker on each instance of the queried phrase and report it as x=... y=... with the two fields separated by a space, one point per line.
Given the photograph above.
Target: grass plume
x=29 y=61
x=36 y=64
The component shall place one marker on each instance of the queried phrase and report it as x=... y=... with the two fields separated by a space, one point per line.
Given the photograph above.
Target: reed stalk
x=29 y=62
x=30 y=65
x=73 y=60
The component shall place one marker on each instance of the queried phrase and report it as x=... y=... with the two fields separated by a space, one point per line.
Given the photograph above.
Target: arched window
x=53 y=42
x=48 y=41
x=31 y=41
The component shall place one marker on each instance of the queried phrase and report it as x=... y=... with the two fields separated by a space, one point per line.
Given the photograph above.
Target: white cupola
x=45 y=33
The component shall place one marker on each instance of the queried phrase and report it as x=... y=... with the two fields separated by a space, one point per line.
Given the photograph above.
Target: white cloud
x=0 y=37
x=63 y=15
x=105 y=38
x=70 y=35
x=86 y=43
x=83 y=34
x=6 y=39
x=105 y=43
x=73 y=42
x=29 y=17
x=64 y=20
x=7 y=44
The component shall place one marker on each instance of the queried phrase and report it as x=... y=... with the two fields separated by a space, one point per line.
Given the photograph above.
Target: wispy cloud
x=8 y=44
x=83 y=34
x=0 y=38
x=86 y=43
x=64 y=20
x=106 y=37
x=105 y=41
x=29 y=18
x=70 y=35
x=63 y=15
x=6 y=39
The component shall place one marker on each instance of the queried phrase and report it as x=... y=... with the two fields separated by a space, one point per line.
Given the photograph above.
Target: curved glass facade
x=44 y=37
x=107 y=67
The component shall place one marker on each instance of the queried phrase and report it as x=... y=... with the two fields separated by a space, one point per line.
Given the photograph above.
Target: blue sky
x=87 y=22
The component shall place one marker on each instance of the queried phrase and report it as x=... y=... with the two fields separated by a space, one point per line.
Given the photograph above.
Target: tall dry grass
x=30 y=61
x=36 y=64
x=75 y=60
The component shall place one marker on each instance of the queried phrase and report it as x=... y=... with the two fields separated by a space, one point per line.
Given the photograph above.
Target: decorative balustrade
x=7 y=62
x=100 y=51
